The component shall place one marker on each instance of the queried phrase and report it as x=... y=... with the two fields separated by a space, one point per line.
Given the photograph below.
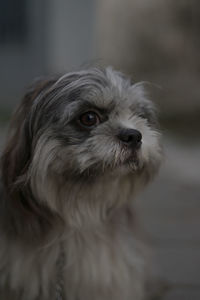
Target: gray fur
x=82 y=183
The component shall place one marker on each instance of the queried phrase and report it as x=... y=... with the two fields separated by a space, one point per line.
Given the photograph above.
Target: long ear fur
x=21 y=212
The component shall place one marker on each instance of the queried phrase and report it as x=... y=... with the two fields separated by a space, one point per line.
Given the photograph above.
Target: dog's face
x=92 y=122
x=81 y=127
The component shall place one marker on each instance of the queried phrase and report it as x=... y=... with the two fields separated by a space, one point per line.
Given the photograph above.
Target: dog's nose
x=130 y=137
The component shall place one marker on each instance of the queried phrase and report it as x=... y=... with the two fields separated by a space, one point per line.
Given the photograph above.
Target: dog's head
x=80 y=126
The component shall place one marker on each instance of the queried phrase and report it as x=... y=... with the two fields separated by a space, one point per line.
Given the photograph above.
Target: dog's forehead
x=107 y=90
x=114 y=95
x=113 y=100
x=107 y=98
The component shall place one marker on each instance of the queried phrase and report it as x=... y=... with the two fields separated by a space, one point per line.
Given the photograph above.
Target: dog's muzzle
x=131 y=138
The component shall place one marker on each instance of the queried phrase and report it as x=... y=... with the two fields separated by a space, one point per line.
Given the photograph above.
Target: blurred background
x=156 y=41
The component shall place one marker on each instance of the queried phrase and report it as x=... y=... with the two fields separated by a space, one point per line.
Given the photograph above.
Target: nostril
x=126 y=138
x=130 y=137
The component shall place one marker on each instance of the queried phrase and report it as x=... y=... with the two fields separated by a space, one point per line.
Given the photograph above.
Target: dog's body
x=80 y=147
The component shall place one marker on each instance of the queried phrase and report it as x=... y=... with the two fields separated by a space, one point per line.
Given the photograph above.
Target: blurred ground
x=169 y=213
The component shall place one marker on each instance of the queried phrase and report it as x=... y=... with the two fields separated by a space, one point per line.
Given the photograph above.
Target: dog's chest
x=101 y=267
x=90 y=265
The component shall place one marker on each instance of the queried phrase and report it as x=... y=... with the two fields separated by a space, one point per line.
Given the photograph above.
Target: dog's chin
x=132 y=159
x=130 y=163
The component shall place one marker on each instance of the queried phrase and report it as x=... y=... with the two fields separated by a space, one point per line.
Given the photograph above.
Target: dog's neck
x=86 y=203
x=80 y=205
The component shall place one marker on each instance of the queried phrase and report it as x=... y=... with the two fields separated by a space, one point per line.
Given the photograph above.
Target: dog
x=79 y=148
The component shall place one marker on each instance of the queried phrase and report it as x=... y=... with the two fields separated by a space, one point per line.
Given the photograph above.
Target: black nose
x=130 y=137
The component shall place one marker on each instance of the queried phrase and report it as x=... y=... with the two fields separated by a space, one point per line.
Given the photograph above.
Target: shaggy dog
x=79 y=148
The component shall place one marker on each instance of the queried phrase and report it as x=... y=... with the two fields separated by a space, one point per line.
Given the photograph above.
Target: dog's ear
x=16 y=155
x=16 y=158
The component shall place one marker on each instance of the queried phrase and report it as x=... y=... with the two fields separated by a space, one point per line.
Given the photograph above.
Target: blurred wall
x=22 y=47
x=38 y=37
x=70 y=30
x=151 y=40
x=156 y=41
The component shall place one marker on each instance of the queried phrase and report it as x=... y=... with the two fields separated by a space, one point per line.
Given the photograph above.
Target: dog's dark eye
x=142 y=115
x=89 y=119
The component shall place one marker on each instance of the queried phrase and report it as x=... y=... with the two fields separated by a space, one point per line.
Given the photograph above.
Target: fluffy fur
x=67 y=187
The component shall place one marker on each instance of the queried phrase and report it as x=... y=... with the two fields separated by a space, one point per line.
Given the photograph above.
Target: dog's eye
x=142 y=115
x=89 y=119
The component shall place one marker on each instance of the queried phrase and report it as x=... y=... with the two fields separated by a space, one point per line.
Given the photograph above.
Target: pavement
x=169 y=216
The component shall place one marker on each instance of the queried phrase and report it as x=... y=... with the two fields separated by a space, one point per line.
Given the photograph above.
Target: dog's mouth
x=132 y=160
